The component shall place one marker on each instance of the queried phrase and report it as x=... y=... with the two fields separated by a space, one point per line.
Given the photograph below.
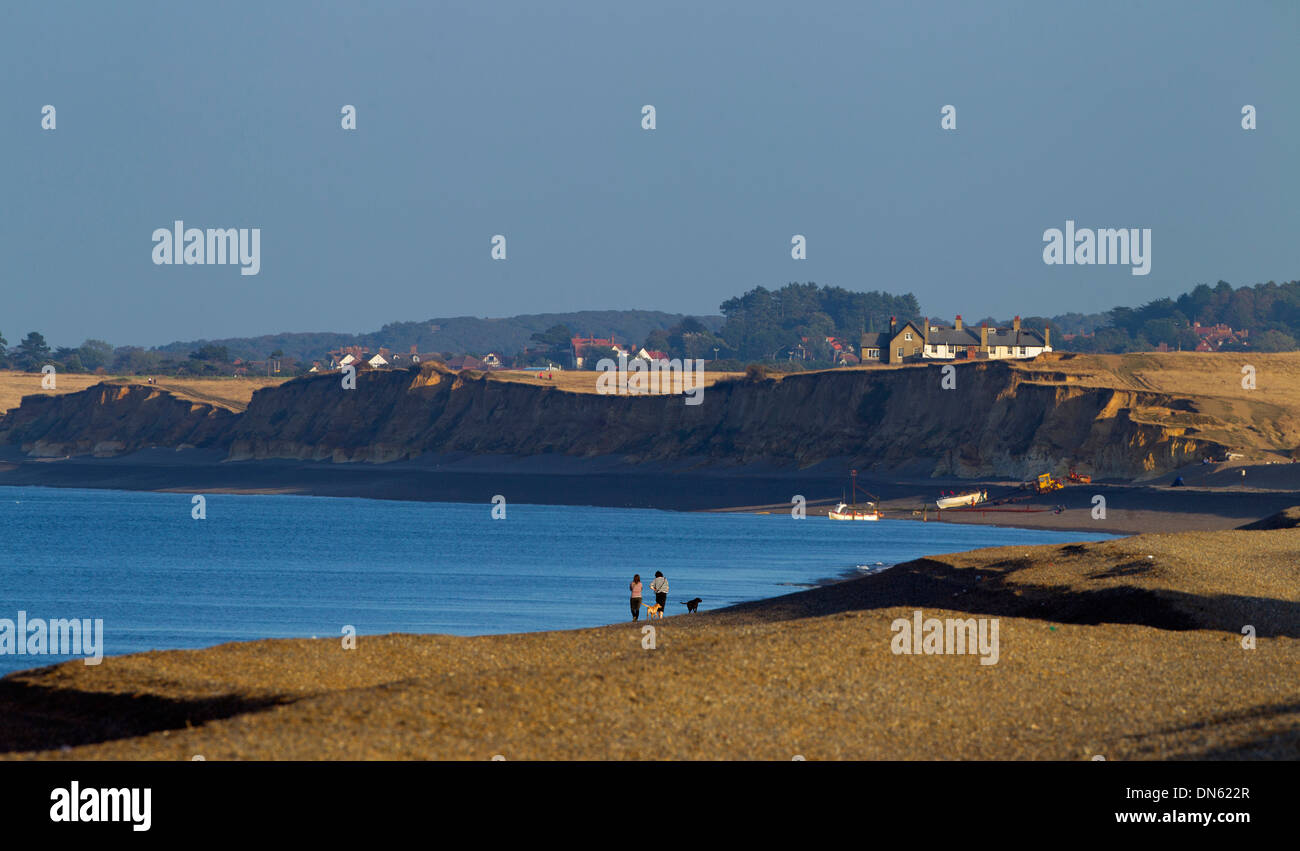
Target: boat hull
x=843 y=512
x=962 y=499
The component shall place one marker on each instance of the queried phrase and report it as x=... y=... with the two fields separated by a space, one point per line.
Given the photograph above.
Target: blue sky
x=524 y=119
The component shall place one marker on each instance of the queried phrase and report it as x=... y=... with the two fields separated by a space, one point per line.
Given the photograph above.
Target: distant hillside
x=459 y=334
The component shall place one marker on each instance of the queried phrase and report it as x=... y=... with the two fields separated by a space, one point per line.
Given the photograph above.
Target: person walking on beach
x=635 y=588
x=660 y=587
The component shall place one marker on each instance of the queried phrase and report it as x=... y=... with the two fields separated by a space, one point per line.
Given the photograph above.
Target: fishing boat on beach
x=960 y=500
x=851 y=510
x=854 y=512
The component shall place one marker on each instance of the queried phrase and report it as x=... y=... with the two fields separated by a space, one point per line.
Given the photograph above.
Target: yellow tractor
x=1046 y=483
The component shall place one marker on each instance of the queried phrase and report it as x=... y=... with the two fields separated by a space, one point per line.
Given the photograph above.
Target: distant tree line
x=754 y=327
x=457 y=335
x=761 y=323
x=1270 y=312
x=97 y=356
x=33 y=352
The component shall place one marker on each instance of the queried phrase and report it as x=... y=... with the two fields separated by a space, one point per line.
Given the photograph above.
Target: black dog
x=692 y=605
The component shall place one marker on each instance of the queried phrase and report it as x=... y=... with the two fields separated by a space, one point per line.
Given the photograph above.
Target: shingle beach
x=1126 y=649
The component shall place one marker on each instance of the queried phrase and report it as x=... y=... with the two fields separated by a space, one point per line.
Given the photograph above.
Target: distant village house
x=931 y=341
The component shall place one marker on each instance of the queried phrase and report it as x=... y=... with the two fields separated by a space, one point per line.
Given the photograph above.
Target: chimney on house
x=414 y=350
x=984 y=337
x=925 y=334
x=1047 y=336
x=957 y=325
x=1015 y=324
x=893 y=326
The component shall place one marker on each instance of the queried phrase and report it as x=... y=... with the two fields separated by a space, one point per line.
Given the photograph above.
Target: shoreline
x=806 y=572
x=1085 y=629
x=1131 y=508
x=1085 y=632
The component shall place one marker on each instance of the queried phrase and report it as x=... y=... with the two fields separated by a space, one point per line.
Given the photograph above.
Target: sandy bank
x=1130 y=648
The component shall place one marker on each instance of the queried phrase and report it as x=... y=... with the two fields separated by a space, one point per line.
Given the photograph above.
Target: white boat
x=961 y=499
x=853 y=512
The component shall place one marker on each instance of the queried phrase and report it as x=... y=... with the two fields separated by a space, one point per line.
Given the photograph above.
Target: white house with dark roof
x=961 y=343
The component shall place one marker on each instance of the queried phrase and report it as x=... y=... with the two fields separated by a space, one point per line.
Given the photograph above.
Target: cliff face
x=996 y=421
x=999 y=419
x=108 y=419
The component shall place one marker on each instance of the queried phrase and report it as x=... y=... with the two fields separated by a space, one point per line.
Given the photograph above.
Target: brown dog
x=654 y=611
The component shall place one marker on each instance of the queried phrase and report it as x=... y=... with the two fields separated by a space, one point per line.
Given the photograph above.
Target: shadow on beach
x=46 y=718
x=990 y=591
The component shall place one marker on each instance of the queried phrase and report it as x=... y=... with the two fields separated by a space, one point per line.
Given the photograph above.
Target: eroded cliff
x=999 y=419
x=111 y=418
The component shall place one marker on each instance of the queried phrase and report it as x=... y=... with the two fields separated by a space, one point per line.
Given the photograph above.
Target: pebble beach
x=1125 y=649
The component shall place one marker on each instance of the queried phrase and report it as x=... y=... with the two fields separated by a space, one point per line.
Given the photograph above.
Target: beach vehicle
x=851 y=510
x=1045 y=484
x=959 y=500
x=1078 y=478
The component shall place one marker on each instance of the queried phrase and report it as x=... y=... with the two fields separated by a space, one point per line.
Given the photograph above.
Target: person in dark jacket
x=660 y=587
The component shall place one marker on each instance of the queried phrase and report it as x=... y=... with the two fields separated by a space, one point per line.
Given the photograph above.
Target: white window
x=900 y=351
x=907 y=335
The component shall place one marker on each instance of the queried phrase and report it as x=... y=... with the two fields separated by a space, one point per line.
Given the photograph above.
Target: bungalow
x=346 y=355
x=415 y=357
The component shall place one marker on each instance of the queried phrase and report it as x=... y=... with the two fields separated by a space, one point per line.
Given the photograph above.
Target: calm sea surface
x=295 y=566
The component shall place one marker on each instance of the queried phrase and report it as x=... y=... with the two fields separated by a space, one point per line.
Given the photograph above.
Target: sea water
x=297 y=566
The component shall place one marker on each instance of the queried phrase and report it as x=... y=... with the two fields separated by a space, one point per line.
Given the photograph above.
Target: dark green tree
x=95 y=354
x=557 y=336
x=211 y=353
x=32 y=353
x=594 y=354
x=1272 y=341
